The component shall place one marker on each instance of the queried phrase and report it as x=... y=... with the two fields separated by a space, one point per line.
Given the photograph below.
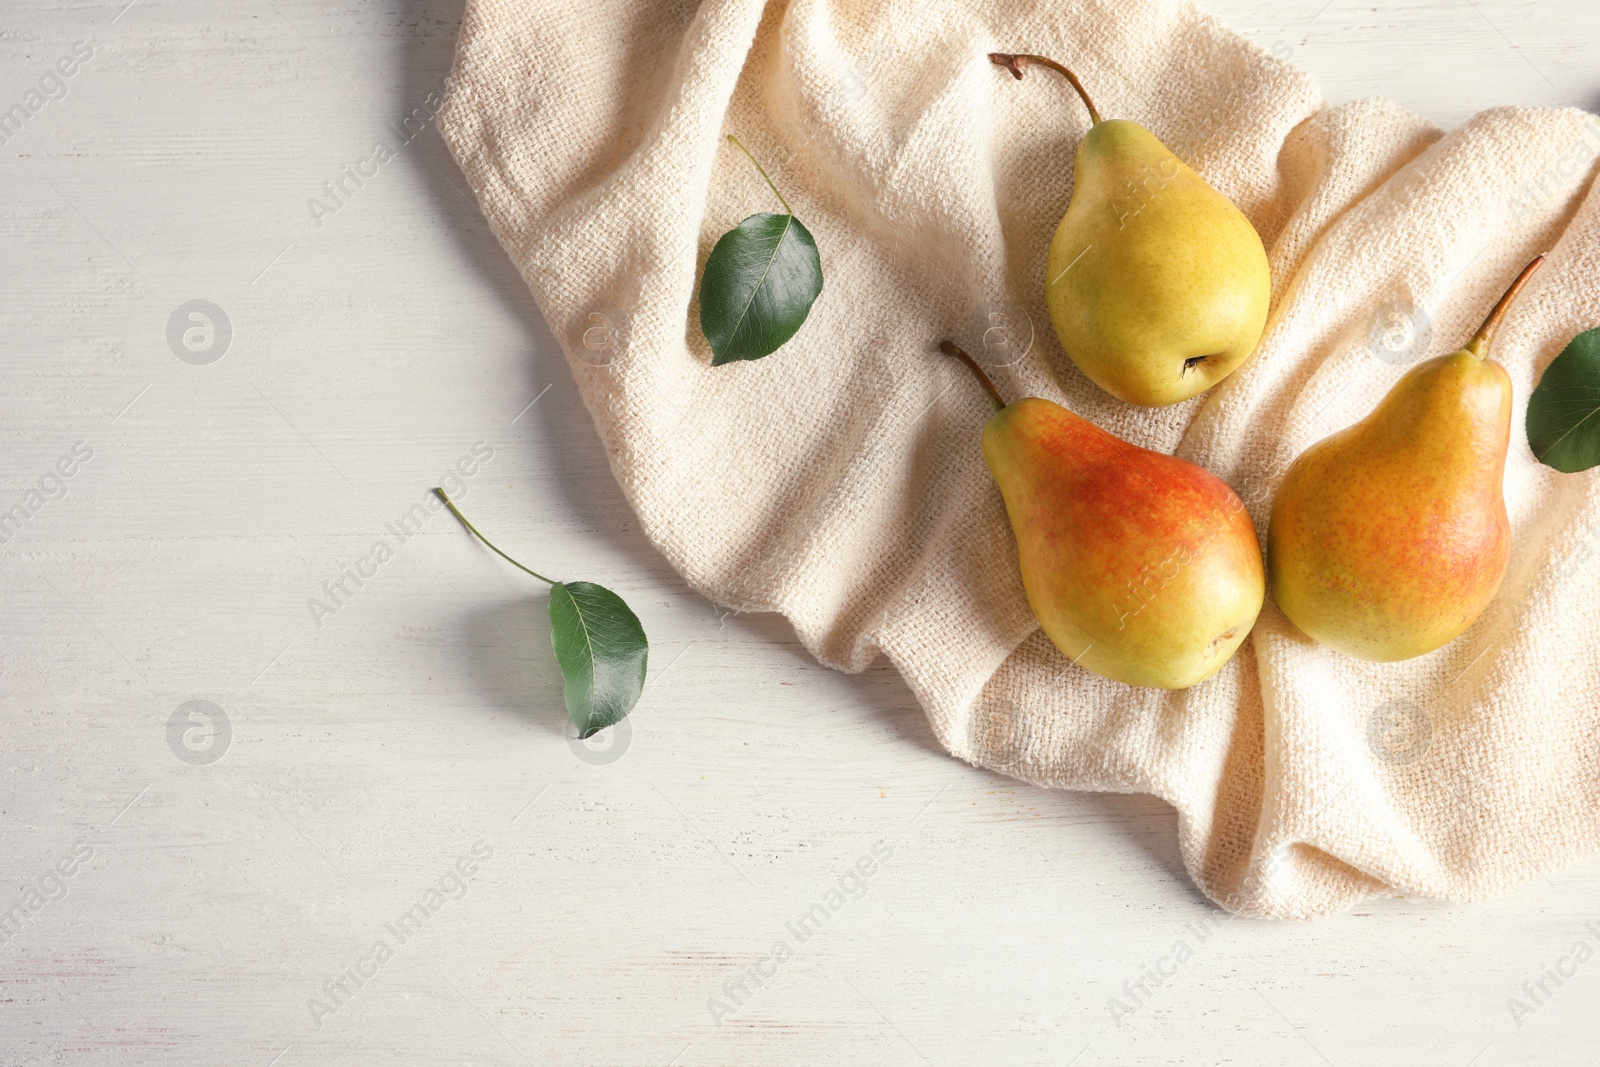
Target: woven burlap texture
x=839 y=481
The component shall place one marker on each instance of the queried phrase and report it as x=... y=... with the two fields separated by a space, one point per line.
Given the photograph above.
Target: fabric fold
x=839 y=481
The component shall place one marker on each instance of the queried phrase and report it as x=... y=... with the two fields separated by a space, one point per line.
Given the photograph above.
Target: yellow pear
x=1156 y=283
x=1390 y=537
x=1139 y=566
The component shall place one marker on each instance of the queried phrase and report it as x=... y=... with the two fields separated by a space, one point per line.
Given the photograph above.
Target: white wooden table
x=214 y=891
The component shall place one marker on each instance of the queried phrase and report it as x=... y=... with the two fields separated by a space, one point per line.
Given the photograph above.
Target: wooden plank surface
x=202 y=883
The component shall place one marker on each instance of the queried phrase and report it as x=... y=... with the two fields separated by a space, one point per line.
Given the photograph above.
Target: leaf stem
x=451 y=504
x=1479 y=345
x=759 y=167
x=1015 y=63
x=950 y=348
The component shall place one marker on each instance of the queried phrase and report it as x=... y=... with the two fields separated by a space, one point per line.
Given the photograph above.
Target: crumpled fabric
x=840 y=482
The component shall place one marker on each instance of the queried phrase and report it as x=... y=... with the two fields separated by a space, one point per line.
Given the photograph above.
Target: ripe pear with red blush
x=1139 y=566
x=1389 y=538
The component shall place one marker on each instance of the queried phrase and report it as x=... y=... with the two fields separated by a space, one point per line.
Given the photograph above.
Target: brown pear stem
x=451 y=504
x=950 y=348
x=1479 y=345
x=1015 y=63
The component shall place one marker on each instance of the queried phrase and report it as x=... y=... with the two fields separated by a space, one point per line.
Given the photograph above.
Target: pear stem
x=451 y=504
x=1479 y=345
x=1015 y=63
x=950 y=348
x=740 y=145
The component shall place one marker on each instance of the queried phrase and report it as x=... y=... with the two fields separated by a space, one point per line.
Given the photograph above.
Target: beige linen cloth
x=840 y=483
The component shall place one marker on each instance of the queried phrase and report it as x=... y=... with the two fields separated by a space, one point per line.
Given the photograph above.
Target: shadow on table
x=1141 y=827
x=582 y=481
x=513 y=663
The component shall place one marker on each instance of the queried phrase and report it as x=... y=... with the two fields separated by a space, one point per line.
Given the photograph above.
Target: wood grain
x=623 y=901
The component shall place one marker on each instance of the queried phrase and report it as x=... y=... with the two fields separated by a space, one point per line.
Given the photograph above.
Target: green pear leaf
x=598 y=641
x=758 y=287
x=602 y=651
x=1563 y=427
